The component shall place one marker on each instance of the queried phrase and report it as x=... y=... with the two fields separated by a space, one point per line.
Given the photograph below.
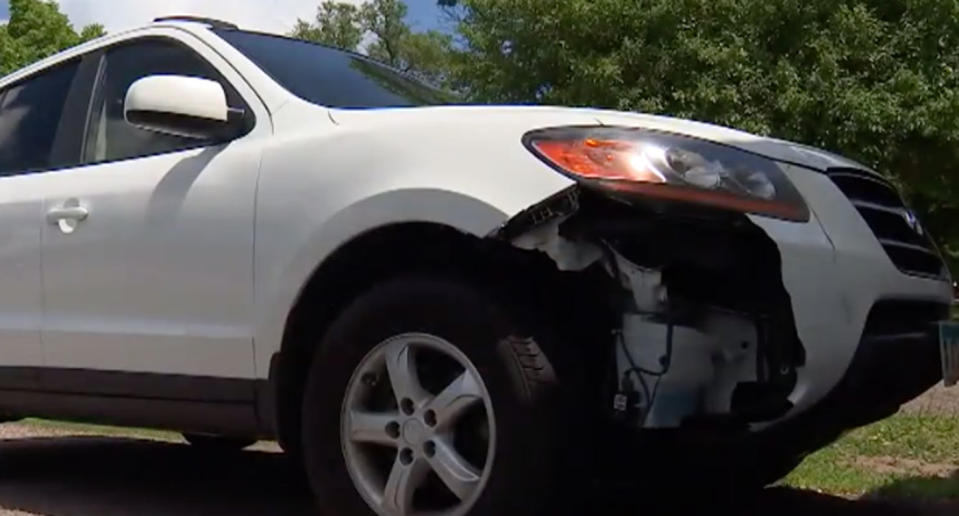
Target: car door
x=37 y=121
x=147 y=252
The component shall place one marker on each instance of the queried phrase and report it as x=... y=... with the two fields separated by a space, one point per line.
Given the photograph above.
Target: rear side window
x=30 y=114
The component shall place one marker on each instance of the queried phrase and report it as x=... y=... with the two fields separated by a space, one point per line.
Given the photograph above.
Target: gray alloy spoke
x=402 y=483
x=401 y=368
x=461 y=394
x=456 y=472
x=420 y=431
x=371 y=427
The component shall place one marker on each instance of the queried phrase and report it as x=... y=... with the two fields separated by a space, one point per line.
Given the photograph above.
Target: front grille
x=884 y=211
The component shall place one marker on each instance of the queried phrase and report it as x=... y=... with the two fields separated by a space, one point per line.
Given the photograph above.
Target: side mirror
x=182 y=106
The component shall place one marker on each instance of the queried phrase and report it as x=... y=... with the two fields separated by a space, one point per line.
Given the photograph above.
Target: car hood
x=537 y=117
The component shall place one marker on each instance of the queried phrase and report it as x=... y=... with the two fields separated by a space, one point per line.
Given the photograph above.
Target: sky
x=263 y=15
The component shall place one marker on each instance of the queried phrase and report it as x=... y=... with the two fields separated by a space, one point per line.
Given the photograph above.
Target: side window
x=110 y=137
x=30 y=114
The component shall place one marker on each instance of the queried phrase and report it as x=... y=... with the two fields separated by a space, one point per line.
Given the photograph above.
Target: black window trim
x=96 y=55
x=96 y=92
x=71 y=132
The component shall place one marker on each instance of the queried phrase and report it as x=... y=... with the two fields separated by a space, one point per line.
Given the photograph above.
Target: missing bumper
x=704 y=330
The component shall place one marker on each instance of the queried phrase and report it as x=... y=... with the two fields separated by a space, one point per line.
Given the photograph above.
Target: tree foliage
x=336 y=24
x=427 y=55
x=37 y=29
x=877 y=80
x=384 y=20
x=388 y=38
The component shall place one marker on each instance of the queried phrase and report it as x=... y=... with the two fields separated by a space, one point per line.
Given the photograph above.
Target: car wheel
x=218 y=443
x=424 y=398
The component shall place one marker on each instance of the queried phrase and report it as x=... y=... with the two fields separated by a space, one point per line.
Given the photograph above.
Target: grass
x=912 y=456
x=149 y=434
x=91 y=429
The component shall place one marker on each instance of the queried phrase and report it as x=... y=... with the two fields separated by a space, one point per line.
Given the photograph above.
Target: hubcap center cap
x=415 y=433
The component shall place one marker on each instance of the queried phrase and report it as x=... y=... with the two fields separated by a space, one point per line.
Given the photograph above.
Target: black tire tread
x=536 y=371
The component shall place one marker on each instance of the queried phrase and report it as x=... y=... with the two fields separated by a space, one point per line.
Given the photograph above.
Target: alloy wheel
x=417 y=428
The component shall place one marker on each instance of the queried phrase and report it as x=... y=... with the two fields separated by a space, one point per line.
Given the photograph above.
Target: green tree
x=427 y=55
x=10 y=52
x=336 y=24
x=423 y=54
x=92 y=31
x=37 y=29
x=877 y=80
x=384 y=20
x=390 y=40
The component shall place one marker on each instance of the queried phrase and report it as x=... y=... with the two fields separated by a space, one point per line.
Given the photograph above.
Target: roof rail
x=212 y=22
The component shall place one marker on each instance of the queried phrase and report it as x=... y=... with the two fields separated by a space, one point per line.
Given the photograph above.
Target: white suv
x=240 y=236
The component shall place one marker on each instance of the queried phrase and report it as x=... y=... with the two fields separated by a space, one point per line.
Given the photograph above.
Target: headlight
x=670 y=167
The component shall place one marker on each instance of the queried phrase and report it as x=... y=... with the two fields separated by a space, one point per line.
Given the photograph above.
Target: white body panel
x=20 y=300
x=158 y=278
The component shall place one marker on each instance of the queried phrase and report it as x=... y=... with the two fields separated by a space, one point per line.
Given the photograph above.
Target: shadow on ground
x=112 y=477
x=84 y=476
x=924 y=487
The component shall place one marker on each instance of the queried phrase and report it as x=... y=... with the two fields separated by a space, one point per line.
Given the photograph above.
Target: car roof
x=212 y=23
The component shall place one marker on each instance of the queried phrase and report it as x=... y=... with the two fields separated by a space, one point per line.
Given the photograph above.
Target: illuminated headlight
x=671 y=167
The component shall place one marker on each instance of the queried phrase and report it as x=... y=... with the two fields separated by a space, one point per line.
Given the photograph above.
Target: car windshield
x=331 y=77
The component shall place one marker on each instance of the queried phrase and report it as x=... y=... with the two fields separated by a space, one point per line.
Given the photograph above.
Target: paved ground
x=43 y=471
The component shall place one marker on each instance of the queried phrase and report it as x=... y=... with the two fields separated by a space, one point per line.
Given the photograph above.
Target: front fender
x=323 y=185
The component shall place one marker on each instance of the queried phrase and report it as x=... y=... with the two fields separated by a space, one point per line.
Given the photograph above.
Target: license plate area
x=949 y=350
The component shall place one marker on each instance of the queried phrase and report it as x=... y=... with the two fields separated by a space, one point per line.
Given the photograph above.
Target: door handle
x=76 y=213
x=68 y=216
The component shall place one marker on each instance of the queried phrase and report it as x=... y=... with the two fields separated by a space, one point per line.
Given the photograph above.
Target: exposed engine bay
x=704 y=332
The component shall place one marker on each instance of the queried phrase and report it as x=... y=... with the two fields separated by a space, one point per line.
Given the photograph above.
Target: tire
x=218 y=443
x=513 y=470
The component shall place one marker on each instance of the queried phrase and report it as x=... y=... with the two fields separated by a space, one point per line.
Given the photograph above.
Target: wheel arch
x=453 y=235
x=362 y=242
x=355 y=267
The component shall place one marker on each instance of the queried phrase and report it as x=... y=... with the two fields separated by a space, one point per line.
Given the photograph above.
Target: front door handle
x=67 y=217
x=77 y=213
